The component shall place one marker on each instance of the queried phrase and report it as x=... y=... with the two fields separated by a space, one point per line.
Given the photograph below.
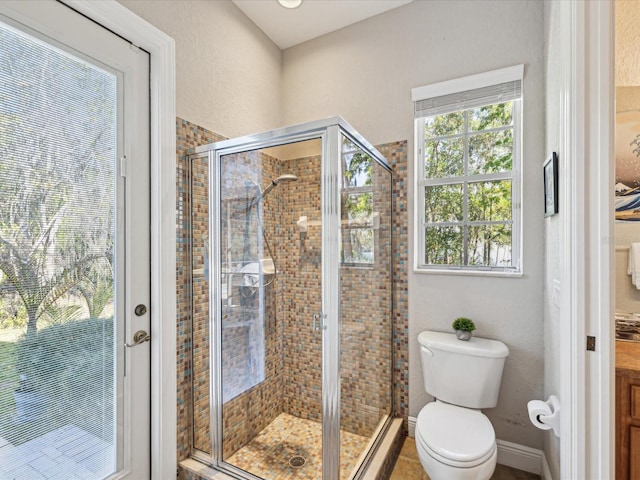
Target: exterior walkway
x=68 y=453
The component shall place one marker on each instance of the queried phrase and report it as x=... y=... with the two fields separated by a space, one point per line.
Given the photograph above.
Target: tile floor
x=70 y=453
x=408 y=467
x=268 y=454
x=67 y=453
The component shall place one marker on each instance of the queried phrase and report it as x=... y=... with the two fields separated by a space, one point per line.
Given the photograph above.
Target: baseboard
x=546 y=471
x=513 y=455
x=518 y=456
x=412 y=427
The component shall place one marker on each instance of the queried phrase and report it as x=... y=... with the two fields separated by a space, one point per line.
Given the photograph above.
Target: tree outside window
x=468 y=181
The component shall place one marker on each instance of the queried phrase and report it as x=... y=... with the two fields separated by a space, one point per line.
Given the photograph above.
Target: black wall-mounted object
x=550 y=171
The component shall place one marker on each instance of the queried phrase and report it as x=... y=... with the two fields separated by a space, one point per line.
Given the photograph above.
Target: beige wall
x=228 y=71
x=365 y=73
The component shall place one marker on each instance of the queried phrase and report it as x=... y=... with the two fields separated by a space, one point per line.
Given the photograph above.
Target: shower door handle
x=318 y=321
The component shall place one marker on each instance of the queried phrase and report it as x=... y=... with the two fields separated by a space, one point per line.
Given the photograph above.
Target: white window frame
x=453 y=87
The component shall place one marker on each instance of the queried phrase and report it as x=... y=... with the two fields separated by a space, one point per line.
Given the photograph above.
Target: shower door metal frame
x=328 y=131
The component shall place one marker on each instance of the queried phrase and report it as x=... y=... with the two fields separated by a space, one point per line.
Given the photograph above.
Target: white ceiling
x=314 y=18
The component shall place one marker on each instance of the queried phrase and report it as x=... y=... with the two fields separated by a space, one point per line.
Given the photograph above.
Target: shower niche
x=291 y=303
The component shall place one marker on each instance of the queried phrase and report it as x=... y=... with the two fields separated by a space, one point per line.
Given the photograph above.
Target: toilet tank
x=465 y=373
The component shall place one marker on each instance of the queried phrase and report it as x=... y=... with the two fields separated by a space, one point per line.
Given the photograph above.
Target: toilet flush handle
x=426 y=350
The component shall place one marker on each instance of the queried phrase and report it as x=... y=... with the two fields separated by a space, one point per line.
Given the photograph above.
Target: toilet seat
x=456 y=436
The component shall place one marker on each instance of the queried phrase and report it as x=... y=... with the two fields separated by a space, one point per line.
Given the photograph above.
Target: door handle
x=318 y=321
x=139 y=337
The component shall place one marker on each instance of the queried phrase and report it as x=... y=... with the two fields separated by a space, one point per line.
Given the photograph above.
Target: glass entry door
x=74 y=248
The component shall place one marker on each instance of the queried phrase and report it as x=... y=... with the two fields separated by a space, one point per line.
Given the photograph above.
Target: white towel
x=633 y=268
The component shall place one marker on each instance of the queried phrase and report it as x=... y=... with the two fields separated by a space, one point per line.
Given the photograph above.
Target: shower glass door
x=365 y=302
x=270 y=288
x=292 y=240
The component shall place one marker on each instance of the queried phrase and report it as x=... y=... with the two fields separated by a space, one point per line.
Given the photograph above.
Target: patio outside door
x=74 y=248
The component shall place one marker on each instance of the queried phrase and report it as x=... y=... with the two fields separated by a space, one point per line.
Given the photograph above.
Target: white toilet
x=454 y=439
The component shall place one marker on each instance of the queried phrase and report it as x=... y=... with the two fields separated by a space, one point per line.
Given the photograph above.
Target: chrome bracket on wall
x=318 y=321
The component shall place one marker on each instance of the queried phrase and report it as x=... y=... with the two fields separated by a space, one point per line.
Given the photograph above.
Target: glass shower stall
x=291 y=265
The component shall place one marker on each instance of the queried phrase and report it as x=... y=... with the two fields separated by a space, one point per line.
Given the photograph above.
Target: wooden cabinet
x=627 y=424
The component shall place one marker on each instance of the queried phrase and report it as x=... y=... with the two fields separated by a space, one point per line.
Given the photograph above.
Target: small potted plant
x=29 y=397
x=30 y=404
x=463 y=327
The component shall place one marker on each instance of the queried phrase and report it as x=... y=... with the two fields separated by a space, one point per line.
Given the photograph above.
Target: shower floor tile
x=268 y=454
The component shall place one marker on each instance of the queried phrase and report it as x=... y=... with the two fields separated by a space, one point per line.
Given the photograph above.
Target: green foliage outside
x=57 y=150
x=57 y=189
x=71 y=366
x=450 y=152
x=12 y=311
x=8 y=374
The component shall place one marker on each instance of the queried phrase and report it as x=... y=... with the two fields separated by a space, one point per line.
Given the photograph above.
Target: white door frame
x=161 y=47
x=586 y=239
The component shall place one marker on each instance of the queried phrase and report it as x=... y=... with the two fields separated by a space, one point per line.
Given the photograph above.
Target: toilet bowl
x=455 y=443
x=454 y=439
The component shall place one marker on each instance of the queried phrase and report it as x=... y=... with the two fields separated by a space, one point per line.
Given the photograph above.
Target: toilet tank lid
x=478 y=347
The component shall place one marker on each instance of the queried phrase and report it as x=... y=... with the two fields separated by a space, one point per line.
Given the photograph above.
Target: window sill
x=469 y=273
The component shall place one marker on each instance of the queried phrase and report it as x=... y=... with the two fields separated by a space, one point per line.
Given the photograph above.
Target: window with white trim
x=468 y=136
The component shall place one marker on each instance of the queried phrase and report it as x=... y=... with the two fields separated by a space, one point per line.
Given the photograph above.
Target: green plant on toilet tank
x=463 y=327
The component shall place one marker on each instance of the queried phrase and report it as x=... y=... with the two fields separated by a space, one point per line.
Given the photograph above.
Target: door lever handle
x=318 y=321
x=139 y=337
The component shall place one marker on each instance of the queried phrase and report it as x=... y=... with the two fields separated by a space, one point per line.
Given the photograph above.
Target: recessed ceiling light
x=290 y=3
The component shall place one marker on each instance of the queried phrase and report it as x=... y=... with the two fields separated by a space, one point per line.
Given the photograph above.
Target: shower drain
x=297 y=461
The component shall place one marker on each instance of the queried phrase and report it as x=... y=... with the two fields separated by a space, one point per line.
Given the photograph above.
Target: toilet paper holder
x=545 y=415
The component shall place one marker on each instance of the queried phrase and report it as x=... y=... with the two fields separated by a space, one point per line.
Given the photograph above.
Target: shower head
x=287 y=177
x=277 y=181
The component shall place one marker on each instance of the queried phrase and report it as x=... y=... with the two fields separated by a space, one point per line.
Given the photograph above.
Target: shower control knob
x=140 y=310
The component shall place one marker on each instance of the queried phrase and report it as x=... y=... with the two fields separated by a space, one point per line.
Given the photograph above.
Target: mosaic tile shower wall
x=200 y=305
x=251 y=353
x=396 y=155
x=251 y=334
x=188 y=136
x=365 y=302
x=250 y=412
